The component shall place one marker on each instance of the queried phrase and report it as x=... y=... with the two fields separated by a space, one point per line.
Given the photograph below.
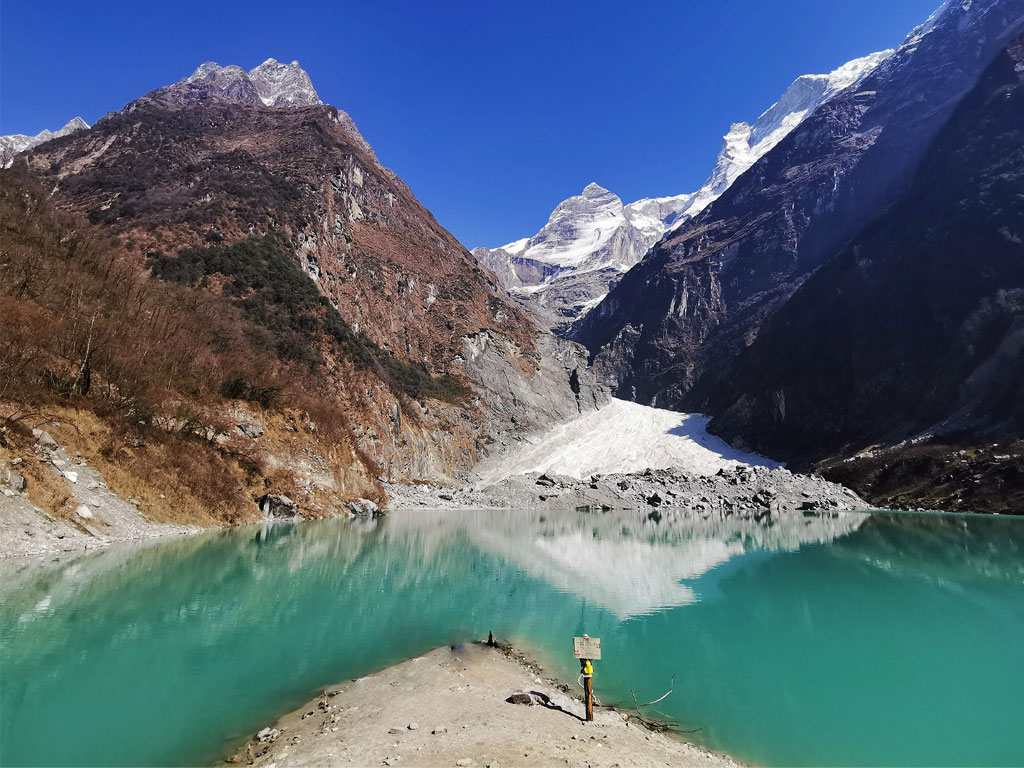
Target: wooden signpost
x=587 y=649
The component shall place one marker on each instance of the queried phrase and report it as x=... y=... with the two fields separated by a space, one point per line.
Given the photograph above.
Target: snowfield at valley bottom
x=622 y=437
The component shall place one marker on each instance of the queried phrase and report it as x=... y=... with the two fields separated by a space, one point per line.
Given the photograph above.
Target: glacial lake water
x=858 y=640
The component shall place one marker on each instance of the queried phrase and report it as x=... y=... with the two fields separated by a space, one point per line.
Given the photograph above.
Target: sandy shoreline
x=449 y=708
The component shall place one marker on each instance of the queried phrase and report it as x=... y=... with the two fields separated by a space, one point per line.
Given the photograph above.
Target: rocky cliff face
x=591 y=239
x=915 y=329
x=243 y=185
x=801 y=319
x=283 y=85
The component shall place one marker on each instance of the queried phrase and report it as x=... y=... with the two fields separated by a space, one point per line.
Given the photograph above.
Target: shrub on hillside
x=265 y=282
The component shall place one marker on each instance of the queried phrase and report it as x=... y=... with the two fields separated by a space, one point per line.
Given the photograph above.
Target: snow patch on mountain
x=623 y=437
x=18 y=142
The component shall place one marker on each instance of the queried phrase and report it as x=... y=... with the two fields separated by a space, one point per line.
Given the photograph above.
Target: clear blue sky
x=491 y=112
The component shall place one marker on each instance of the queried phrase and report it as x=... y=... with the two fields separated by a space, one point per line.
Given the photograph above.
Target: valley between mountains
x=218 y=307
x=289 y=475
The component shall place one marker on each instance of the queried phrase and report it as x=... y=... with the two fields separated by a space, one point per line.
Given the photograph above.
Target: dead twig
x=659 y=725
x=671 y=686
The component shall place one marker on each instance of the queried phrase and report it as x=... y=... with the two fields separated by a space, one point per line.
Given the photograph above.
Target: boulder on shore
x=278 y=506
x=363 y=507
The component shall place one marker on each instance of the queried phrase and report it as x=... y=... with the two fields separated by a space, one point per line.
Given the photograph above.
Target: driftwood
x=671 y=686
x=659 y=725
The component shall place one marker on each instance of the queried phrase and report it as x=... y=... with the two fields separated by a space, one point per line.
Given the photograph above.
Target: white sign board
x=586 y=648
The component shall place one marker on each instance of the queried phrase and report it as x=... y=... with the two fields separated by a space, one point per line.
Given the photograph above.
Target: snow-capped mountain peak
x=19 y=142
x=283 y=85
x=271 y=84
x=591 y=238
x=588 y=240
x=745 y=144
x=595 y=190
x=577 y=227
x=72 y=125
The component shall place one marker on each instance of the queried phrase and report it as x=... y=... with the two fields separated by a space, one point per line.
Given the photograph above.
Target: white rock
x=71 y=476
x=44 y=439
x=83 y=512
x=267 y=735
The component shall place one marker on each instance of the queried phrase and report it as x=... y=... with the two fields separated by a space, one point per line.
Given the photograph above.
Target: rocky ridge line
x=18 y=142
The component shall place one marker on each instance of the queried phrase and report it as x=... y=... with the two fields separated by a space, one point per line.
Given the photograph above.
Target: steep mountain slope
x=704 y=291
x=916 y=328
x=745 y=144
x=243 y=189
x=767 y=260
x=592 y=238
x=19 y=142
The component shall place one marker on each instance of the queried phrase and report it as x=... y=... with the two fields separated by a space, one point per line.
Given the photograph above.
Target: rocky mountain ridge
x=271 y=84
x=591 y=239
x=18 y=142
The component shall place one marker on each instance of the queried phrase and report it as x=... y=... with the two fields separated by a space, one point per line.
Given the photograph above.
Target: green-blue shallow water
x=858 y=640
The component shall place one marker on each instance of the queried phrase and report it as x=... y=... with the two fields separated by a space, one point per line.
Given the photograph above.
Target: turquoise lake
x=884 y=639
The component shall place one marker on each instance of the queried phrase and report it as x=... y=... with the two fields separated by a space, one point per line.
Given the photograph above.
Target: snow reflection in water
x=622 y=560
